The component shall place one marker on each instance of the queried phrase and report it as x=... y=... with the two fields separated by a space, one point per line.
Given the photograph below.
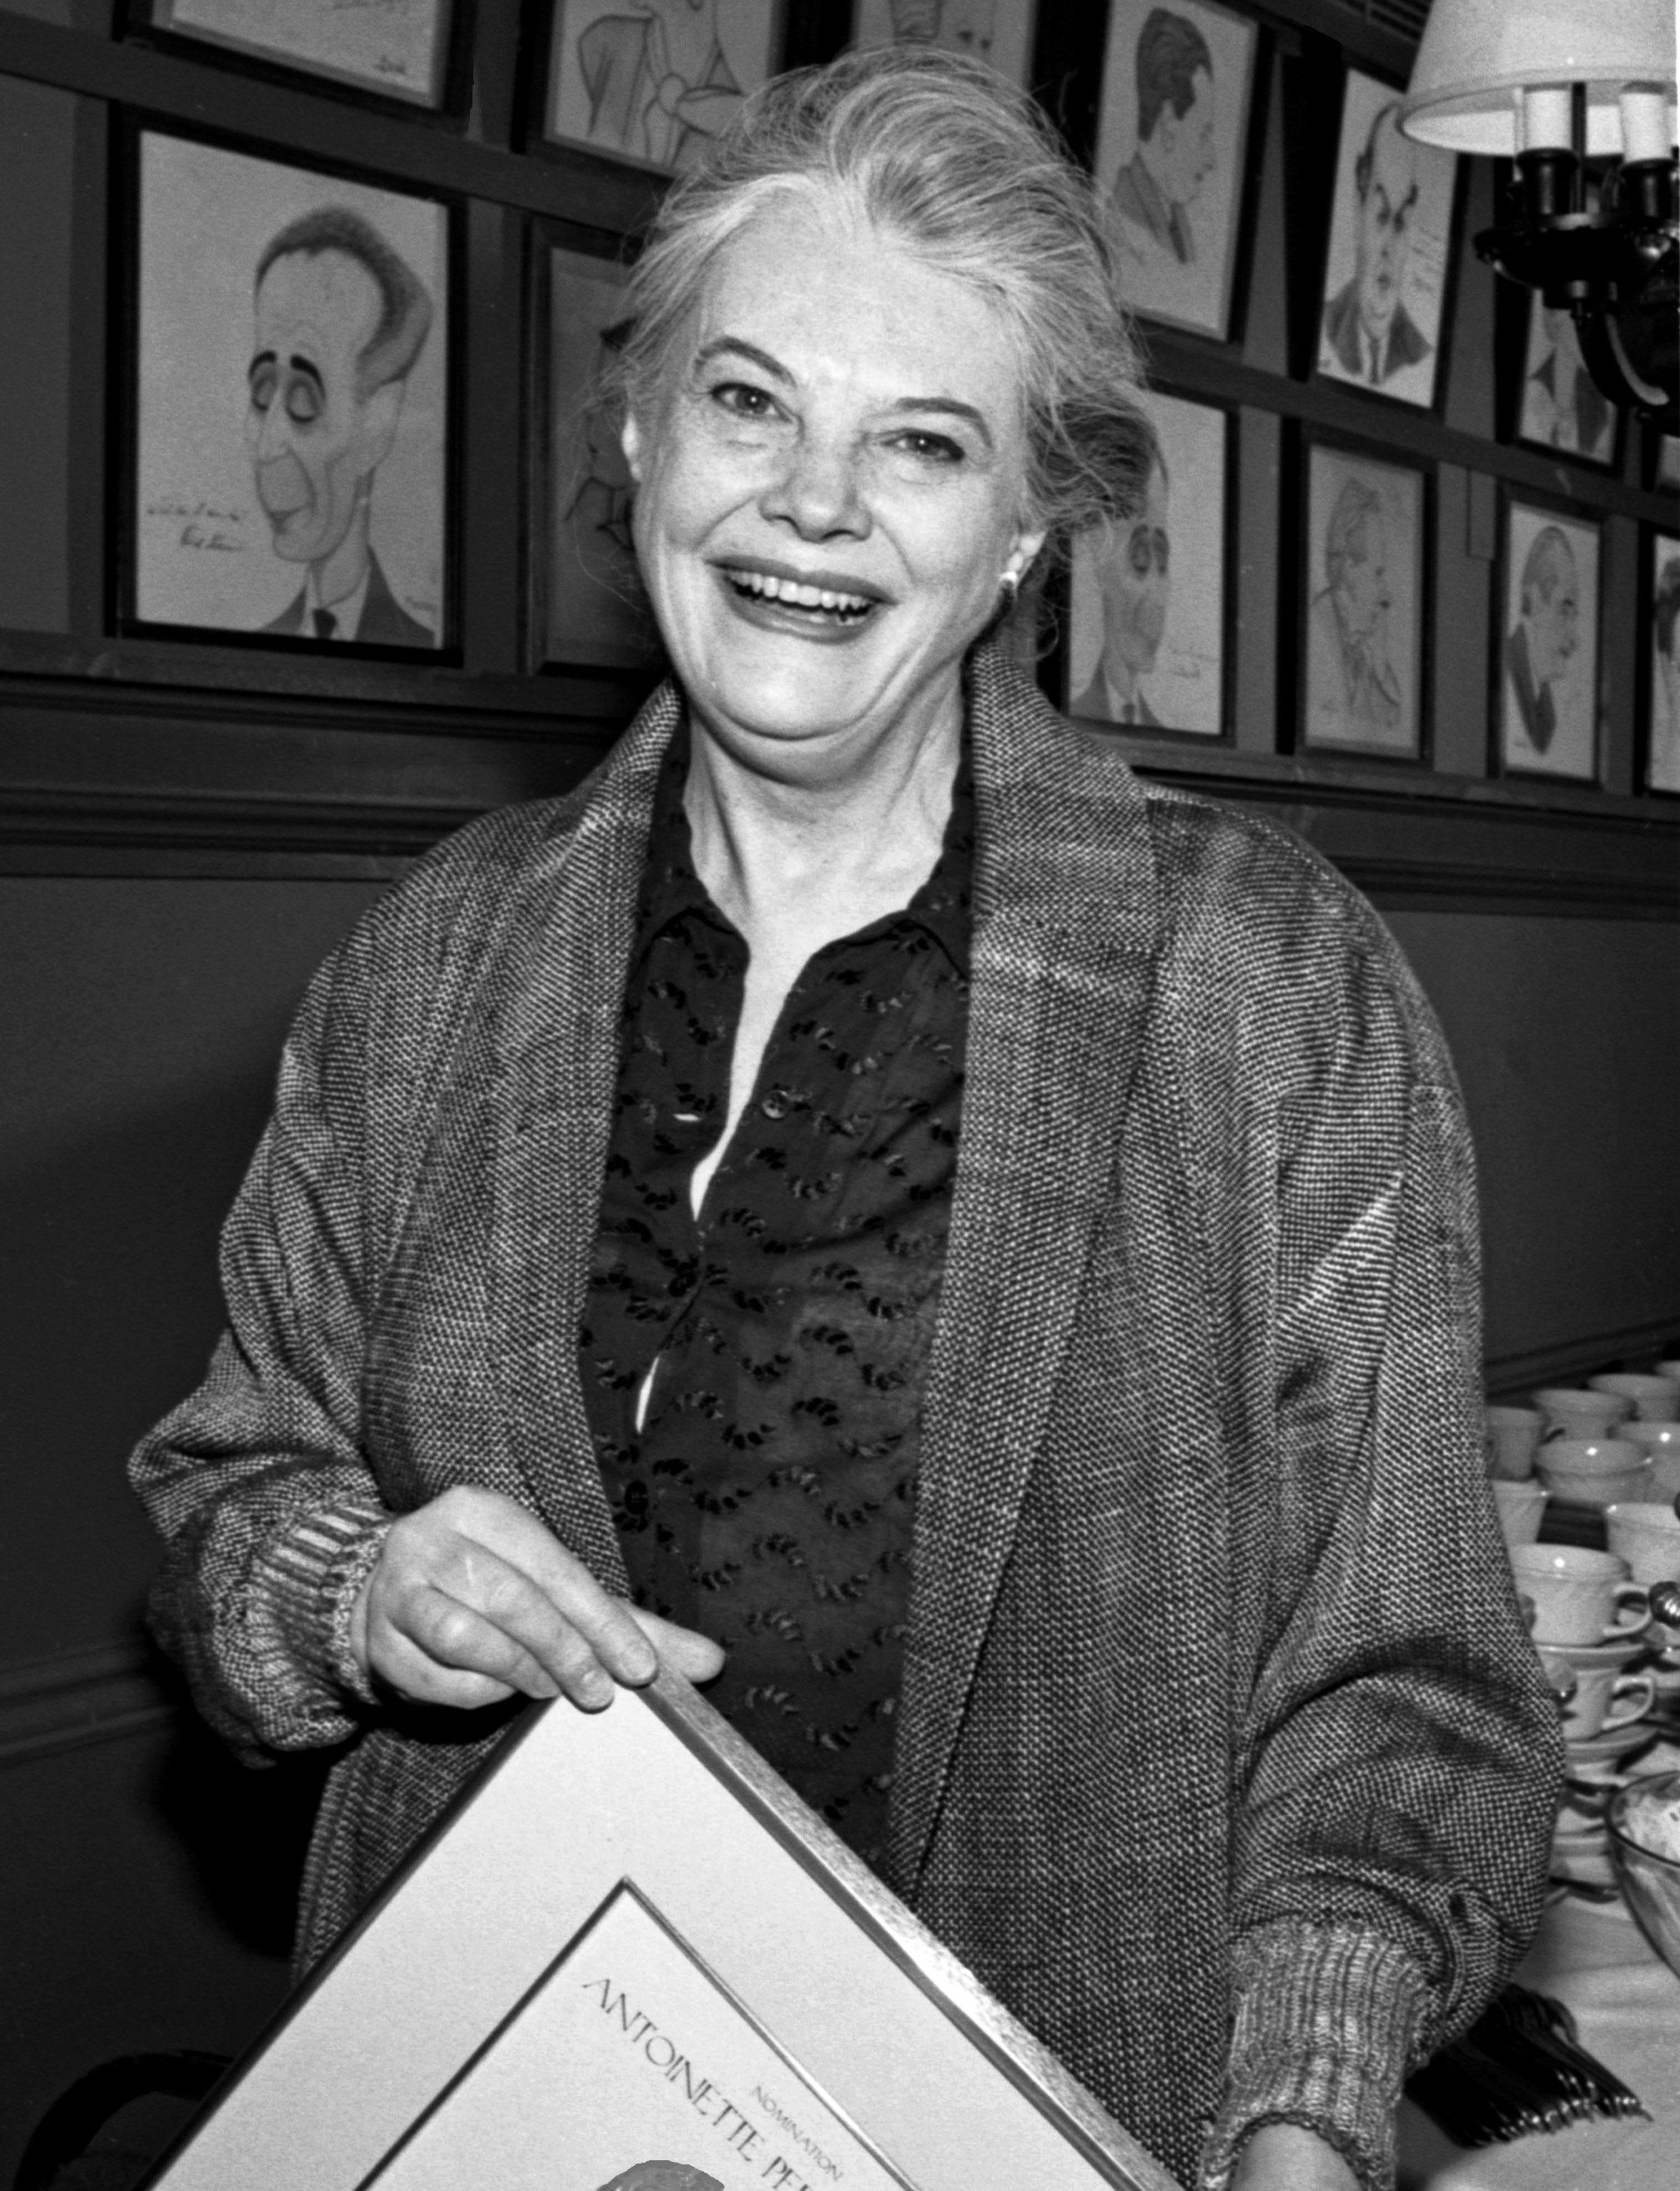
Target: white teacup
x=1573 y=1412
x=1512 y=1435
x=1656 y=1399
x=1648 y=1536
x=1574 y=1595
x=1594 y=1471
x=1662 y=1442
x=1601 y=1698
x=1521 y=1507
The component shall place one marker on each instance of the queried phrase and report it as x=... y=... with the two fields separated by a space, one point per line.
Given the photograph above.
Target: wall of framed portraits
x=1402 y=581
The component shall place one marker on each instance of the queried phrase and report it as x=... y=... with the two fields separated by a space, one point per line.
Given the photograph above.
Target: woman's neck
x=803 y=844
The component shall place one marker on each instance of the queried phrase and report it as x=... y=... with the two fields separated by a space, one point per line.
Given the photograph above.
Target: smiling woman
x=870 y=1205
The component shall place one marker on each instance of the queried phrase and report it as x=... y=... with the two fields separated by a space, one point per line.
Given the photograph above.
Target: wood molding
x=1567 y=1361
x=98 y=1694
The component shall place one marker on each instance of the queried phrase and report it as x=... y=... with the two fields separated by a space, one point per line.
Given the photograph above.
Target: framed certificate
x=631 y=1960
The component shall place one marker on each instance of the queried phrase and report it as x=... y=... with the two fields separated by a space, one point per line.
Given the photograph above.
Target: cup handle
x=1628 y=1686
x=1630 y=1595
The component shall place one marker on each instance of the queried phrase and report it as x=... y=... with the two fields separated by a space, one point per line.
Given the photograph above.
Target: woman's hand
x=472 y=1599
x=1283 y=2157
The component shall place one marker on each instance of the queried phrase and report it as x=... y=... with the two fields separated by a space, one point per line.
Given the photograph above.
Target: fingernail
x=595 y=1691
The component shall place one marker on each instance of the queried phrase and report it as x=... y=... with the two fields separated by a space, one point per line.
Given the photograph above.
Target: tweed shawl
x=1223 y=1756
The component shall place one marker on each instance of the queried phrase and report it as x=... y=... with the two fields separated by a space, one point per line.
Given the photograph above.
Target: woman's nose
x=818 y=492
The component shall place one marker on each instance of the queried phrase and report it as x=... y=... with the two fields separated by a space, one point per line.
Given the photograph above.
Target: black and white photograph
x=1147 y=625
x=290 y=356
x=1548 y=645
x=397 y=47
x=595 y=609
x=650 y=81
x=1362 y=605
x=1563 y=408
x=1171 y=154
x=996 y=32
x=1385 y=275
x=1662 y=668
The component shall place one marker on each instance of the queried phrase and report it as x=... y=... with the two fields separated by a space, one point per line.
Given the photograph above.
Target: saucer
x=1587 y=1656
x=1613 y=1742
x=1583 y=1859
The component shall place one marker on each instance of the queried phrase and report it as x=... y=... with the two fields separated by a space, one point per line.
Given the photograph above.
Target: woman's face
x=831 y=488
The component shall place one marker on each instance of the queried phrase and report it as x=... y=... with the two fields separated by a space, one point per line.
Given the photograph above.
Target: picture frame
x=1661 y=699
x=1559 y=408
x=406 y=50
x=645 y=85
x=1384 y=311
x=633 y=1893
x=275 y=493
x=291 y=384
x=1546 y=641
x=1172 y=159
x=998 y=32
x=1363 y=601
x=590 y=608
x=1147 y=623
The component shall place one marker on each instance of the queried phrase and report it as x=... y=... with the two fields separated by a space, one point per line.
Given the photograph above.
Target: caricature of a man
x=1176 y=115
x=1543 y=640
x=1133 y=574
x=1366 y=325
x=340 y=321
x=1350 y=678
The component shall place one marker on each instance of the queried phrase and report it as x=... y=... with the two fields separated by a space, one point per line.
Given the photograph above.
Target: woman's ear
x=630 y=441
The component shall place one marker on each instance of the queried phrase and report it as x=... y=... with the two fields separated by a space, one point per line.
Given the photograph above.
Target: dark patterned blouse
x=767 y=1499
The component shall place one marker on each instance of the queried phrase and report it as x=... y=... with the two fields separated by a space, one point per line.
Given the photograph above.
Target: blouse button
x=777 y=1104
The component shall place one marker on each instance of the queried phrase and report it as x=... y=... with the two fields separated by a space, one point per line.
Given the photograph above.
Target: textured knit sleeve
x=257 y=1482
x=1400 y=1756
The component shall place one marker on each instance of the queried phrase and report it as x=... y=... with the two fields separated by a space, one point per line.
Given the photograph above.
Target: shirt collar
x=671 y=885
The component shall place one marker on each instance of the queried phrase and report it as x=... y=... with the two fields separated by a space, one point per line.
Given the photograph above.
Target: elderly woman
x=866 y=1183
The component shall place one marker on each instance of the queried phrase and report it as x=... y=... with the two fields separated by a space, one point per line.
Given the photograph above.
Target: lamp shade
x=1477 y=57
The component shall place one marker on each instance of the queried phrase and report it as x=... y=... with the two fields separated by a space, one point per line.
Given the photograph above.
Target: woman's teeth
x=792 y=594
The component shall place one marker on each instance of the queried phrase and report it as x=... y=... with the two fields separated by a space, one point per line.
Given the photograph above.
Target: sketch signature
x=201 y=524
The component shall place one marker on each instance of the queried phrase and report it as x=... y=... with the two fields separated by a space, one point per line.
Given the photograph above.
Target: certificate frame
x=656 y=1806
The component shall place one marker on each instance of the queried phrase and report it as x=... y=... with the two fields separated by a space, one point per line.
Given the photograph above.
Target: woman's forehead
x=831 y=287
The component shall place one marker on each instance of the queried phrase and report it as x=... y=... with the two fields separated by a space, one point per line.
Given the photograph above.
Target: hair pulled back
x=940 y=154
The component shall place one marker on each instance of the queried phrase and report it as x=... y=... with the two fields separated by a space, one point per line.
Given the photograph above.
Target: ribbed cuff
x=1326 y=2023
x=313 y=1575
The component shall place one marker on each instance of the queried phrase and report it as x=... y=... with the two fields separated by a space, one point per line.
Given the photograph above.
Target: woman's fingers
x=473 y=1598
x=694 y=1656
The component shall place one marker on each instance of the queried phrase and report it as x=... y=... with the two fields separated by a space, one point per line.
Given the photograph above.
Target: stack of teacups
x=1588 y=1618
x=1513 y=1435
x=1646 y=1534
x=1583 y=1460
x=1660 y=1442
x=1655 y=1395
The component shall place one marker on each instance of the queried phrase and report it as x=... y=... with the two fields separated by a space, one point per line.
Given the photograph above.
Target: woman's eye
x=745 y=401
x=932 y=448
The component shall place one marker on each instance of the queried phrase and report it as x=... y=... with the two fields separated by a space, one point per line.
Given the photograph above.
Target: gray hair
x=940 y=154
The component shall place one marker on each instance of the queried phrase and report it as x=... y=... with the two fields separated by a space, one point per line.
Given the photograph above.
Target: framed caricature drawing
x=399 y=49
x=1561 y=408
x=290 y=395
x=996 y=32
x=649 y=81
x=1171 y=146
x=1662 y=672
x=1548 y=643
x=1382 y=325
x=1362 y=597
x=632 y=1960
x=1147 y=624
x=593 y=609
